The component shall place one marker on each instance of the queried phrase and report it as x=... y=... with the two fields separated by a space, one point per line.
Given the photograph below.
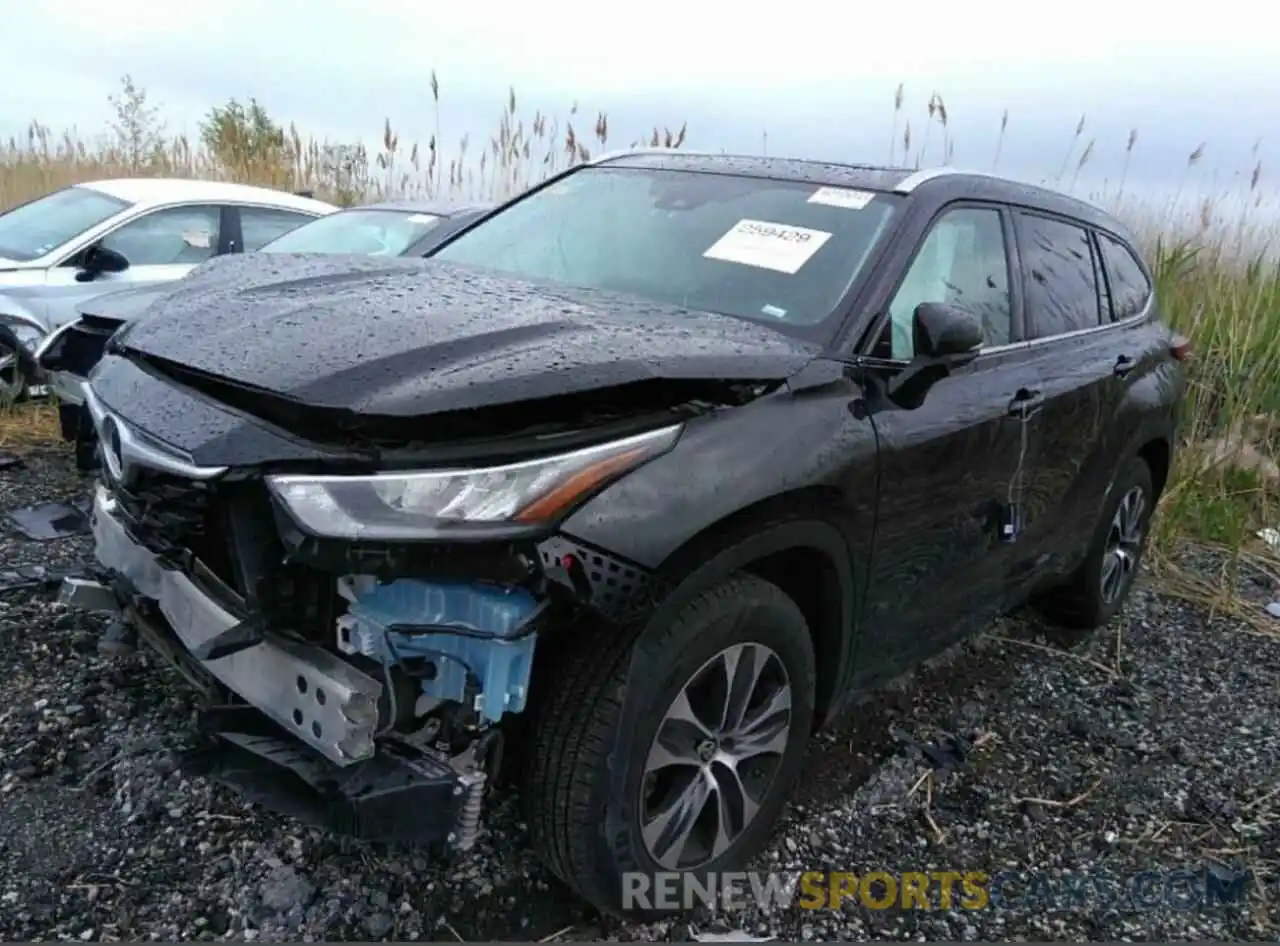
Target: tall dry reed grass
x=1216 y=280
x=517 y=154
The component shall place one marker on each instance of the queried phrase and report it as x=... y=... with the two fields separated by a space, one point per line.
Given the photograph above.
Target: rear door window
x=260 y=225
x=1130 y=288
x=1059 y=276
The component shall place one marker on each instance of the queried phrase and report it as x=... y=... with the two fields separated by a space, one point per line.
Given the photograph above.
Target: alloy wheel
x=1124 y=541
x=716 y=753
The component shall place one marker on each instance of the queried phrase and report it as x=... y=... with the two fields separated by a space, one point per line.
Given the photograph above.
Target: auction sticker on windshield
x=776 y=246
x=841 y=197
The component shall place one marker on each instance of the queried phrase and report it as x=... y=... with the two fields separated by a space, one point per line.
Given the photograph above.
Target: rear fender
x=1148 y=413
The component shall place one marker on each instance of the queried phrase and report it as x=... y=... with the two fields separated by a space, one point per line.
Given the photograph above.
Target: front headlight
x=440 y=503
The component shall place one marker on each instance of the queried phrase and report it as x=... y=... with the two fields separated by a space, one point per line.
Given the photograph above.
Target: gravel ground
x=1163 y=764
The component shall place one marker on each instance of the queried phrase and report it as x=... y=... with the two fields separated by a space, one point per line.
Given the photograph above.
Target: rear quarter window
x=1130 y=288
x=1059 y=275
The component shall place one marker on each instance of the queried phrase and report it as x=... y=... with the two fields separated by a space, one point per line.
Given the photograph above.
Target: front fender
x=14 y=314
x=13 y=311
x=785 y=473
x=1147 y=413
x=734 y=460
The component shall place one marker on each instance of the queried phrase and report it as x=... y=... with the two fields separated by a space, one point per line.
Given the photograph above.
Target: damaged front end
x=361 y=639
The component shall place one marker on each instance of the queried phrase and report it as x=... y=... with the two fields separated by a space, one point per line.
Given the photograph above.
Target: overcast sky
x=818 y=78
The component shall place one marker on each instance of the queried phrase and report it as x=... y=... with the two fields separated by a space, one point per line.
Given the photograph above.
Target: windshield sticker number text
x=765 y=245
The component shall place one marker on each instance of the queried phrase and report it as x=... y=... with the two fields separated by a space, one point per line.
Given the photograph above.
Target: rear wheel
x=676 y=750
x=1102 y=584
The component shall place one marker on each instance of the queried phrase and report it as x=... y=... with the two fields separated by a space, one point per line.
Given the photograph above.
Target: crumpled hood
x=398 y=337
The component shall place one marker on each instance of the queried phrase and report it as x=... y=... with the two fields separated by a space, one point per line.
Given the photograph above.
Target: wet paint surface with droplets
x=411 y=337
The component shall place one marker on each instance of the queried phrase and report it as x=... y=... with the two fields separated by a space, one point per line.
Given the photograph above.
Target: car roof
x=438 y=208
x=954 y=184
x=940 y=182
x=800 y=170
x=168 y=190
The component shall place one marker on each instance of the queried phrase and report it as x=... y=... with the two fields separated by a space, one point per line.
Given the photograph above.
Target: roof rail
x=634 y=152
x=914 y=180
x=309 y=194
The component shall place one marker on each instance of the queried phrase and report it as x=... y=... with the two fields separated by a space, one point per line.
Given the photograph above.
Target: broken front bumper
x=321 y=699
x=296 y=694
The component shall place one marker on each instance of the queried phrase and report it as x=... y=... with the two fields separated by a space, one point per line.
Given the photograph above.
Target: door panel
x=938 y=568
x=1075 y=422
x=945 y=468
x=1079 y=368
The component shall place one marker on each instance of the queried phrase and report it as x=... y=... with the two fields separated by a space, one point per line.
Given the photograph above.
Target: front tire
x=646 y=758
x=1101 y=586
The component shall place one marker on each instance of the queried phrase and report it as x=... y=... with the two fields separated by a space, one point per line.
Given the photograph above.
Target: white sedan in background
x=81 y=241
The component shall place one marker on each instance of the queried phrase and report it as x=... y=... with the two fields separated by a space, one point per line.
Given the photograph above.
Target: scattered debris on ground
x=29 y=577
x=44 y=522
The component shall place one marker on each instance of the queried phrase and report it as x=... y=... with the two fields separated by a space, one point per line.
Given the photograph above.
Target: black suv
x=642 y=478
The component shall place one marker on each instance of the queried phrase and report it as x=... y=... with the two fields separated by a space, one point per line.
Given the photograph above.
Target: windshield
x=41 y=226
x=367 y=232
x=781 y=252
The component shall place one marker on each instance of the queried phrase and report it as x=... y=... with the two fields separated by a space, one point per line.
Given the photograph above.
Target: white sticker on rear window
x=775 y=246
x=422 y=218
x=842 y=197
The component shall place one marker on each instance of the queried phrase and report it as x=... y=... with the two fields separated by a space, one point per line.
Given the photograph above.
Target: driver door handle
x=1124 y=364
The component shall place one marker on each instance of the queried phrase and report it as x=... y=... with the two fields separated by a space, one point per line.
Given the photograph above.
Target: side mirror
x=97 y=260
x=945 y=338
x=943 y=331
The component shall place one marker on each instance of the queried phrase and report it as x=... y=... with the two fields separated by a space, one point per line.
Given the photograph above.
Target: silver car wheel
x=1124 y=541
x=716 y=753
